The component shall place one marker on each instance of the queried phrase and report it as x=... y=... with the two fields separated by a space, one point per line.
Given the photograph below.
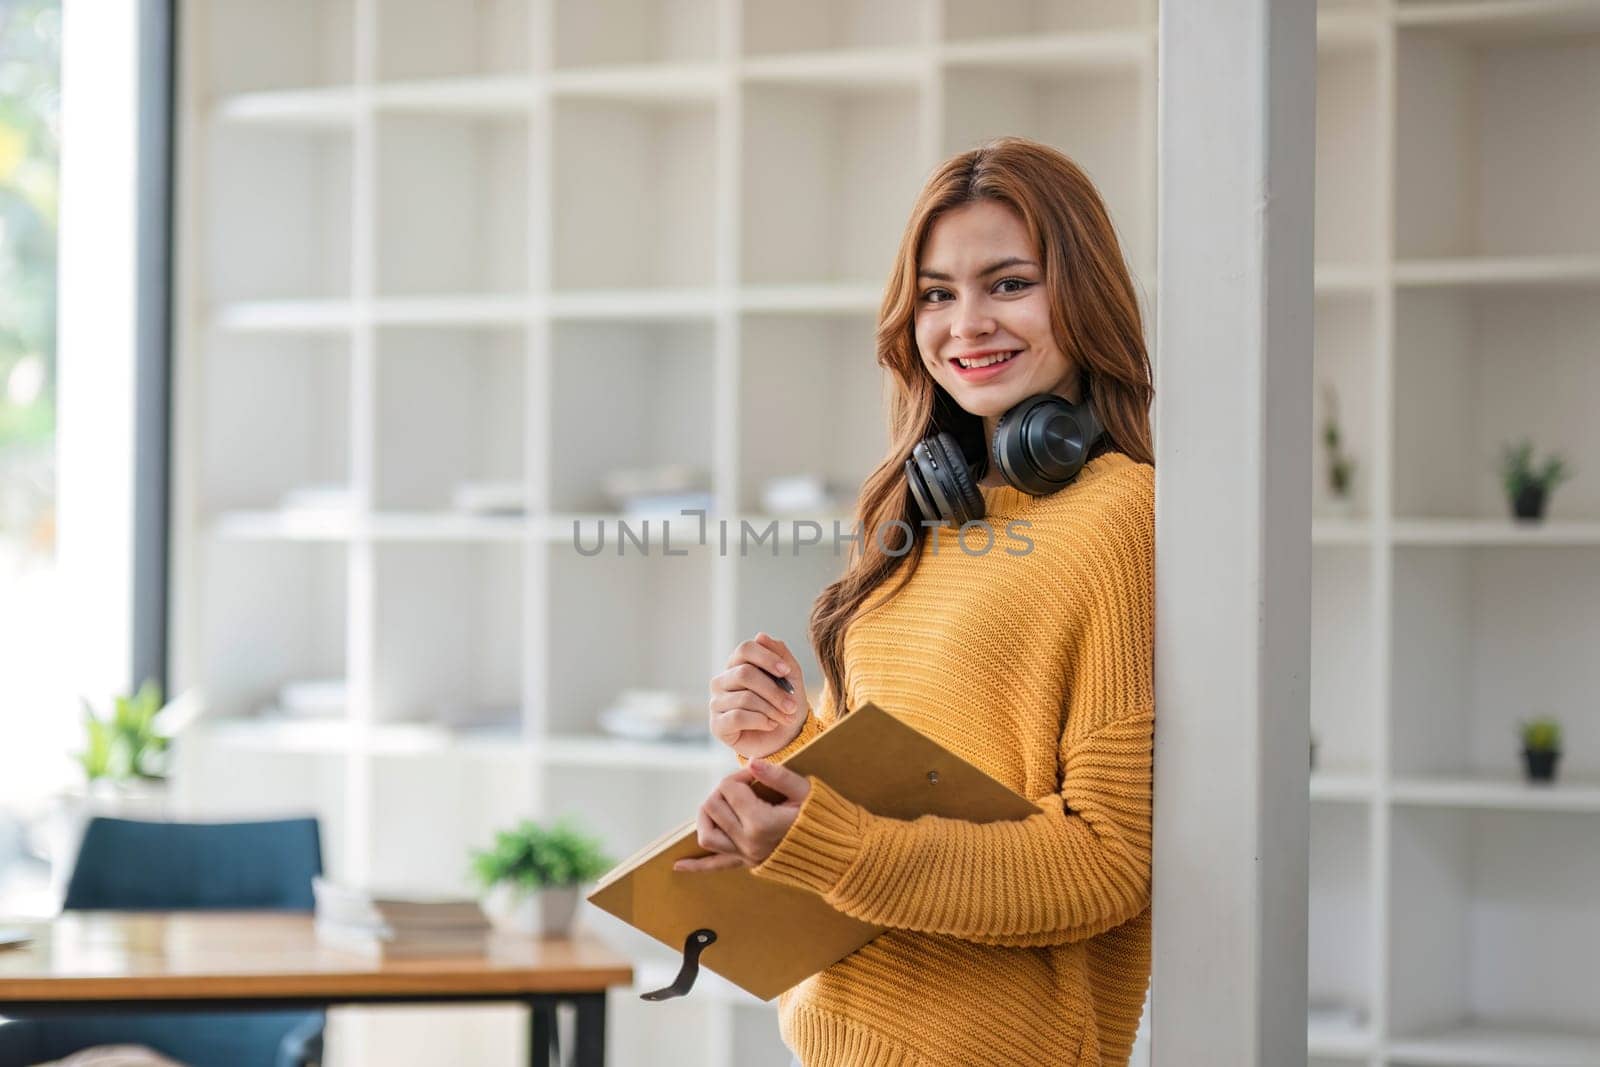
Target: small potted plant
x=1528 y=487
x=531 y=876
x=124 y=761
x=1541 y=748
x=126 y=748
x=1341 y=465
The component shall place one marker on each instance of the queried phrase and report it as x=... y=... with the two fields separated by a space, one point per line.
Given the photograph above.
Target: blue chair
x=167 y=866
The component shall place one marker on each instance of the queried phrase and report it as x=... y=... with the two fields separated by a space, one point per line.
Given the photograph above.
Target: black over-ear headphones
x=1039 y=446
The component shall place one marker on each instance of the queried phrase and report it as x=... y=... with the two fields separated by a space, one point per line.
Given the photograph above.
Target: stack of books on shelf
x=397 y=927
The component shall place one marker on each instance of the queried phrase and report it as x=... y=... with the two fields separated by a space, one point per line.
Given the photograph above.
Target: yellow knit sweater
x=1024 y=943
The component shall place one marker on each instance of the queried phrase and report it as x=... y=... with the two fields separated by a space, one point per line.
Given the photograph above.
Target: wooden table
x=94 y=963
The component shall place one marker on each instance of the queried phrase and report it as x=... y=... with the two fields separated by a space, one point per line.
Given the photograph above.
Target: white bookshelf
x=535 y=240
x=1450 y=900
x=532 y=241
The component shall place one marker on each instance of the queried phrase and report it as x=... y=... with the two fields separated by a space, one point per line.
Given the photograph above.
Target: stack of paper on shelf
x=395 y=927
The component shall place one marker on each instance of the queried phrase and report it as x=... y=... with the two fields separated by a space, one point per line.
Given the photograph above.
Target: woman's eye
x=936 y=296
x=1012 y=285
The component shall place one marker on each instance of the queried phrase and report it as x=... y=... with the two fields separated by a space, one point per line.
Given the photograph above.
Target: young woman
x=1010 y=325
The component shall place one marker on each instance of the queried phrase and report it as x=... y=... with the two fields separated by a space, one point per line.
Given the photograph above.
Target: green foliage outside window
x=30 y=56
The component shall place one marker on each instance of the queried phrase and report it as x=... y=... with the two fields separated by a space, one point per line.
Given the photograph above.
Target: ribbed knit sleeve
x=1079 y=867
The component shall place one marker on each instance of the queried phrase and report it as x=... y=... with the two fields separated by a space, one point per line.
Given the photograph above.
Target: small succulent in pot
x=532 y=875
x=1528 y=486
x=1541 y=748
x=1341 y=465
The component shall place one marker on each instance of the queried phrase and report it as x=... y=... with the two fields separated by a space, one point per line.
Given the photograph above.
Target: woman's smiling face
x=981 y=295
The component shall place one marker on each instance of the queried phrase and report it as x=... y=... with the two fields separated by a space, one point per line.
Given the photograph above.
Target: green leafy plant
x=1518 y=471
x=531 y=856
x=1541 y=735
x=1341 y=465
x=126 y=745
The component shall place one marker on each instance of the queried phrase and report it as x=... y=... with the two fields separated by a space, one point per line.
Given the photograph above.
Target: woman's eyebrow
x=999 y=264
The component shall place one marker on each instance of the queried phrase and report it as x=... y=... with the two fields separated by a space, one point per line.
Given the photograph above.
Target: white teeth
x=986 y=360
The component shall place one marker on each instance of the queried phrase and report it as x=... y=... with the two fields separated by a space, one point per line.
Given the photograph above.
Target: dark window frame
x=153 y=342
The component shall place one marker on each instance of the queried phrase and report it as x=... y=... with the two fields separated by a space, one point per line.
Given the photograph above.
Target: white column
x=1233 y=469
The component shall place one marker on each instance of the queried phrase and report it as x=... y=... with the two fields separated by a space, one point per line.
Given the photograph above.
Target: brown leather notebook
x=766 y=937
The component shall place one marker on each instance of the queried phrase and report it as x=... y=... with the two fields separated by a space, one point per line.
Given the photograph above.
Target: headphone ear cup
x=940 y=483
x=1042 y=443
x=966 y=503
x=916 y=481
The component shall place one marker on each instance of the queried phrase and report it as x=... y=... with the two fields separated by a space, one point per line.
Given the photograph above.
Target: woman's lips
x=978 y=374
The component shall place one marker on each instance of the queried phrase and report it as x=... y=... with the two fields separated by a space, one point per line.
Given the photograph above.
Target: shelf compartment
x=505 y=96
x=1338 y=1047
x=251 y=46
x=1554 y=272
x=833 y=409
x=448 y=646
x=1344 y=683
x=776 y=26
x=275 y=419
x=1341 y=533
x=1347 y=215
x=451 y=204
x=594 y=33
x=775 y=596
x=1468 y=380
x=449 y=412
x=278 y=614
x=427 y=39
x=286 y=195
x=1058 y=53
x=1497 y=793
x=818 y=167
x=275 y=734
x=432 y=810
x=640 y=84
x=977 y=19
x=507 y=309
x=1503 y=533
x=1345 y=338
x=1101 y=119
x=861 y=299
x=1493 y=929
x=1499 y=21
x=1476 y=177
x=624 y=621
x=285 y=317
x=302 y=109
x=651 y=383
x=1342 y=787
x=638 y=185
x=1485 y=638
x=1340 y=930
x=852 y=71
x=604 y=753
x=1480 y=1045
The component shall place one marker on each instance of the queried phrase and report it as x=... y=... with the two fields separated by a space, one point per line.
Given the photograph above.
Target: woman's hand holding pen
x=758 y=705
x=740 y=829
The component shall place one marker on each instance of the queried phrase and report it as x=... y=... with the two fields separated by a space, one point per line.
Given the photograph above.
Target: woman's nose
x=971 y=321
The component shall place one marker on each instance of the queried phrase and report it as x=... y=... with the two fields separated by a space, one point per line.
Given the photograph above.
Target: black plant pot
x=1529 y=502
x=1541 y=765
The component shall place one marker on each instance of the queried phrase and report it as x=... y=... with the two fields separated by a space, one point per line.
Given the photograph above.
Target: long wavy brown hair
x=1094 y=312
